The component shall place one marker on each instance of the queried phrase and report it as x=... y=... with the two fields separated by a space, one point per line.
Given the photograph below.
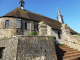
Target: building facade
x=21 y=22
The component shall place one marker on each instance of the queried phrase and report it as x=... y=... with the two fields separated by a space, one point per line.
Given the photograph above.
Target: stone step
x=77 y=57
x=69 y=57
x=66 y=49
x=62 y=47
x=62 y=51
x=67 y=53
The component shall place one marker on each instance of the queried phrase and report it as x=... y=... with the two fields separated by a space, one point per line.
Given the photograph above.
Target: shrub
x=33 y=33
x=54 y=37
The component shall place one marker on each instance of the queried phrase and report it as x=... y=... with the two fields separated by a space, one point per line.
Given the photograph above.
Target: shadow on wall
x=55 y=41
x=59 y=52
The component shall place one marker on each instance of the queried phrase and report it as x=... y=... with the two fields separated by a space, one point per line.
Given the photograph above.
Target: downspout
x=21 y=27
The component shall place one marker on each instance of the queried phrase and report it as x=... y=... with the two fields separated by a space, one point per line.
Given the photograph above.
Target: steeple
x=58 y=12
x=21 y=3
x=59 y=16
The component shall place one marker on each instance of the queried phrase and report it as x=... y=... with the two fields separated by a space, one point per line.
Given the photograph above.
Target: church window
x=1 y=52
x=7 y=24
x=25 y=25
x=59 y=35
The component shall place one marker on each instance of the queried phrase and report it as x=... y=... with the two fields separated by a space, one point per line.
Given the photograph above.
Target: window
x=7 y=24
x=1 y=52
x=25 y=25
x=37 y=27
x=59 y=35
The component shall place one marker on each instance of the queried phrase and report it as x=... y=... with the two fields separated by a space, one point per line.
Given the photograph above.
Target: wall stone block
x=36 y=48
x=28 y=48
x=70 y=40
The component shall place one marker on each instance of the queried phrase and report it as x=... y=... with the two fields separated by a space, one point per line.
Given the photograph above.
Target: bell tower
x=21 y=3
x=59 y=16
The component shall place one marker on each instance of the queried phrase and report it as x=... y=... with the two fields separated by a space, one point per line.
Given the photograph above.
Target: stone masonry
x=16 y=27
x=42 y=28
x=10 y=45
x=28 y=48
x=70 y=40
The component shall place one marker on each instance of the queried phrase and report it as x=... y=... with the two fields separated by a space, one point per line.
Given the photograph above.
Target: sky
x=70 y=9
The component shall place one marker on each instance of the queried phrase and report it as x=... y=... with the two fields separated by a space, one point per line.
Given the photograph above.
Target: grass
x=78 y=34
x=58 y=44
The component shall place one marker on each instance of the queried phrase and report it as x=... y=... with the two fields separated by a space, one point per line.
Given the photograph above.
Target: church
x=21 y=22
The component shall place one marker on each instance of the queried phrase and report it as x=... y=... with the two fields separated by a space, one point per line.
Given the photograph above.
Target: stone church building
x=21 y=22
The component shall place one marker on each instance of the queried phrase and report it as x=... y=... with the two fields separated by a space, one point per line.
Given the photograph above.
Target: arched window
x=59 y=35
x=7 y=24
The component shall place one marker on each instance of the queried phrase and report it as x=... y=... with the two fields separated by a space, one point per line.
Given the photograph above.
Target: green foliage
x=33 y=33
x=54 y=37
x=61 y=44
x=78 y=34
x=4 y=36
x=58 y=44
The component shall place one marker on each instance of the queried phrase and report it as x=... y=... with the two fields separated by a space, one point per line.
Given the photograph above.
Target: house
x=21 y=22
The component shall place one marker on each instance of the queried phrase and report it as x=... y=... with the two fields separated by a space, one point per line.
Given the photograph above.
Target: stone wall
x=70 y=40
x=49 y=31
x=10 y=31
x=36 y=48
x=42 y=28
x=16 y=25
x=13 y=22
x=25 y=32
x=28 y=48
x=10 y=50
x=55 y=33
x=6 y=33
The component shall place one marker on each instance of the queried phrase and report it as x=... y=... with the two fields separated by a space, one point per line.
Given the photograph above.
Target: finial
x=22 y=1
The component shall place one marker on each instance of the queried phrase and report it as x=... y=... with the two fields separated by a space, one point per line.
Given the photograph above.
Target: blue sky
x=70 y=9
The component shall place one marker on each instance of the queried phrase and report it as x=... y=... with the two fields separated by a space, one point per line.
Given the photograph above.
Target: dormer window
x=7 y=24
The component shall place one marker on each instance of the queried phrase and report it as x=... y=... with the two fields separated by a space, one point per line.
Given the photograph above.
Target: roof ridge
x=41 y=15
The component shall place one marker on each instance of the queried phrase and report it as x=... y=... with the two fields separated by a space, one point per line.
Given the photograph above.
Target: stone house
x=21 y=22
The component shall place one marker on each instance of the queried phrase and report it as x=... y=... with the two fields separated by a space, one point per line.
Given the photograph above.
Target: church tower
x=59 y=16
x=21 y=3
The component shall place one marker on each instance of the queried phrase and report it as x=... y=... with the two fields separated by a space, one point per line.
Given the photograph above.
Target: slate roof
x=36 y=17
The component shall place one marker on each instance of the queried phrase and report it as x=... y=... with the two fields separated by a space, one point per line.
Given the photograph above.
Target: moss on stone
x=23 y=11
